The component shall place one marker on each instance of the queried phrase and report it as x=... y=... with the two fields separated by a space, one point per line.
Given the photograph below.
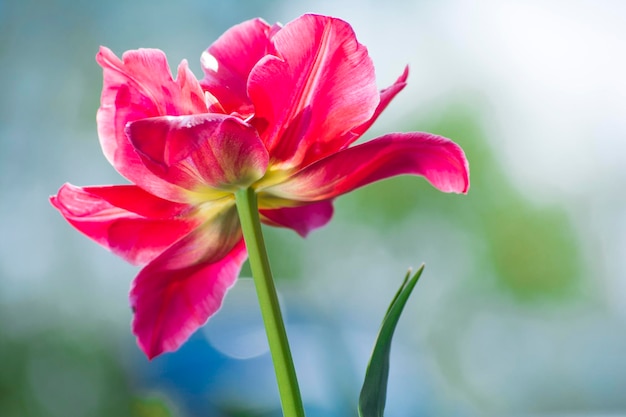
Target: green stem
x=268 y=299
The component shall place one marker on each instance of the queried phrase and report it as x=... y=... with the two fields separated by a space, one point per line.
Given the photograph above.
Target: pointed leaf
x=374 y=390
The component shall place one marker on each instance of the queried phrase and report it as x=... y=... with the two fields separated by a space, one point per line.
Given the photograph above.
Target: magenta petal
x=439 y=160
x=302 y=219
x=200 y=150
x=125 y=219
x=320 y=85
x=386 y=95
x=138 y=86
x=172 y=301
x=229 y=60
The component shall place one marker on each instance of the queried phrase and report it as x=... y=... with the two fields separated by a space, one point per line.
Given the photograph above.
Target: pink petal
x=386 y=95
x=200 y=150
x=177 y=293
x=302 y=219
x=320 y=85
x=125 y=219
x=438 y=159
x=136 y=87
x=228 y=61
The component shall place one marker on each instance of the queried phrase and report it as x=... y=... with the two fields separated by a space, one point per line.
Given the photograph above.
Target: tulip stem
x=291 y=401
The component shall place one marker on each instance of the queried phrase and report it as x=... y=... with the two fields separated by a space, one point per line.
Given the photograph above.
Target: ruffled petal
x=178 y=291
x=302 y=219
x=439 y=160
x=136 y=87
x=229 y=60
x=318 y=87
x=203 y=150
x=125 y=219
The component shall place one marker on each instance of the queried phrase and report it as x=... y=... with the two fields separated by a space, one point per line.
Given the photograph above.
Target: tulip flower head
x=277 y=111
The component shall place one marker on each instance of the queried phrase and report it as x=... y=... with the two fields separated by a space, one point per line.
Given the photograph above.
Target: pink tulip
x=277 y=110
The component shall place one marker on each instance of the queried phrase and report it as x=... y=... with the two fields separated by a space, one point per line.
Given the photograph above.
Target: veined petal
x=302 y=219
x=439 y=160
x=203 y=150
x=125 y=219
x=317 y=88
x=228 y=61
x=136 y=87
x=178 y=291
x=386 y=95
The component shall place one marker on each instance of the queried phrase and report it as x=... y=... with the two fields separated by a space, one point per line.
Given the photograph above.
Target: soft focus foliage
x=531 y=252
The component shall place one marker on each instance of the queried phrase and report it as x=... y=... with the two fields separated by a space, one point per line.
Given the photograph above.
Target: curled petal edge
x=125 y=219
x=441 y=161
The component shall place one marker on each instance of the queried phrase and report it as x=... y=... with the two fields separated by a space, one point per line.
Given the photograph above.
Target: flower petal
x=302 y=219
x=320 y=85
x=438 y=159
x=203 y=150
x=177 y=292
x=386 y=95
x=139 y=86
x=125 y=219
x=228 y=61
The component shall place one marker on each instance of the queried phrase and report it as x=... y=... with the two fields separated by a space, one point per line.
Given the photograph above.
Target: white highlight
x=209 y=62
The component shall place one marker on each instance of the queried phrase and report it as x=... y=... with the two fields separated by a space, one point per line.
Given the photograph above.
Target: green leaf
x=374 y=390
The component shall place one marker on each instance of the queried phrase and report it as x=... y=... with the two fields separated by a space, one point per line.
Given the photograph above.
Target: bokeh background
x=521 y=310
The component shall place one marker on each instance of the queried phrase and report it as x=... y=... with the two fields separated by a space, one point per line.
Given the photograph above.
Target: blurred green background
x=520 y=311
